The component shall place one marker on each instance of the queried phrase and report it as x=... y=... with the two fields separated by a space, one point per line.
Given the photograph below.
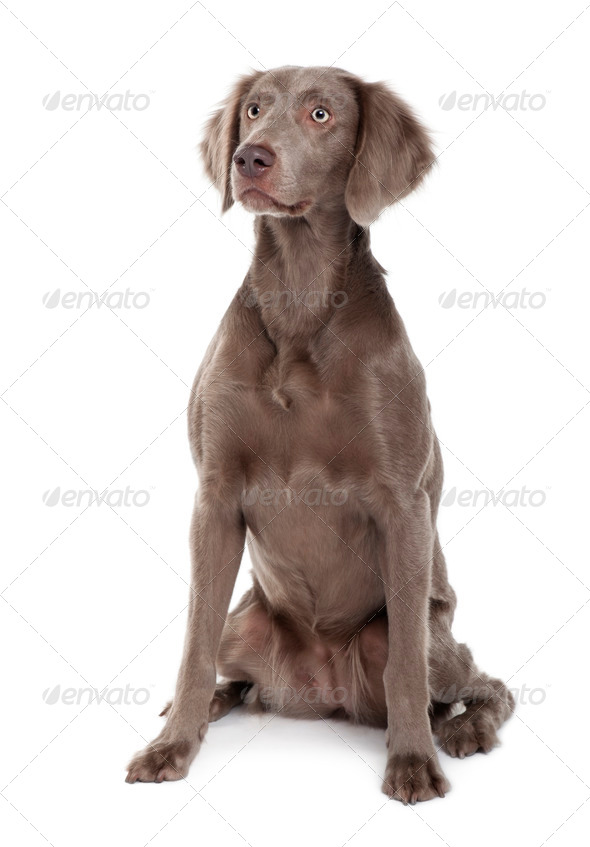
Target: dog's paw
x=465 y=735
x=161 y=761
x=412 y=778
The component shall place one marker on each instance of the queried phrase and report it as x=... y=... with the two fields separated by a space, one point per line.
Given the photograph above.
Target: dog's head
x=291 y=139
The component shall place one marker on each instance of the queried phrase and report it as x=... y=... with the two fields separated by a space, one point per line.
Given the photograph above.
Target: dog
x=310 y=428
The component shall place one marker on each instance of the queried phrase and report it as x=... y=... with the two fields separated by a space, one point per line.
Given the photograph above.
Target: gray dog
x=310 y=428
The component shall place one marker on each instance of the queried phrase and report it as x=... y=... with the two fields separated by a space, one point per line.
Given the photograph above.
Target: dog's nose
x=253 y=160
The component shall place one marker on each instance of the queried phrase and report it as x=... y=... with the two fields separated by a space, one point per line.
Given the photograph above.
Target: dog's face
x=297 y=137
x=293 y=139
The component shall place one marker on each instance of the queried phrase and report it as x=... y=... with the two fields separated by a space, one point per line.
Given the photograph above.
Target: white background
x=95 y=398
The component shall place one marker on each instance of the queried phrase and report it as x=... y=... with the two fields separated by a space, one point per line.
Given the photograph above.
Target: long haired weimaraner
x=310 y=428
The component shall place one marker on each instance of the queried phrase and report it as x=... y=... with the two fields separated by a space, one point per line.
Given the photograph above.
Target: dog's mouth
x=260 y=201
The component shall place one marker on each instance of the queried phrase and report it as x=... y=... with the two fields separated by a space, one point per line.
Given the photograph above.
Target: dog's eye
x=320 y=115
x=253 y=111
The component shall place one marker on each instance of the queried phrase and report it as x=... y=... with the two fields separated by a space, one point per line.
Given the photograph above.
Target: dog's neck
x=299 y=276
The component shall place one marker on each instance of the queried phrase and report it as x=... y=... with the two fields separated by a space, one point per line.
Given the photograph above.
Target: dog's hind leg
x=227 y=696
x=488 y=704
x=457 y=680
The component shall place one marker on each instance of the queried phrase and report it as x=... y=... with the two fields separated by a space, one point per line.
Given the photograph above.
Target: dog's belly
x=315 y=556
x=309 y=462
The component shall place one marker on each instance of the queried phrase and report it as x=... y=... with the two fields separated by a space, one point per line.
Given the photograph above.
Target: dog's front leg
x=217 y=542
x=413 y=772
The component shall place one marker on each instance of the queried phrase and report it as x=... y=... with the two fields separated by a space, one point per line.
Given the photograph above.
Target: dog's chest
x=287 y=418
x=308 y=426
x=294 y=384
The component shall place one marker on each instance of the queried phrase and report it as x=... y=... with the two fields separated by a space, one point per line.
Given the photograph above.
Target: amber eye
x=321 y=116
x=253 y=111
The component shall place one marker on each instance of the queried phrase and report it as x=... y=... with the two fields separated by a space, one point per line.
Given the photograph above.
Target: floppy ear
x=222 y=138
x=393 y=153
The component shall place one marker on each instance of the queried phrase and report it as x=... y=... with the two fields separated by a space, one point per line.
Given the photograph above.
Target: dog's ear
x=221 y=138
x=393 y=152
